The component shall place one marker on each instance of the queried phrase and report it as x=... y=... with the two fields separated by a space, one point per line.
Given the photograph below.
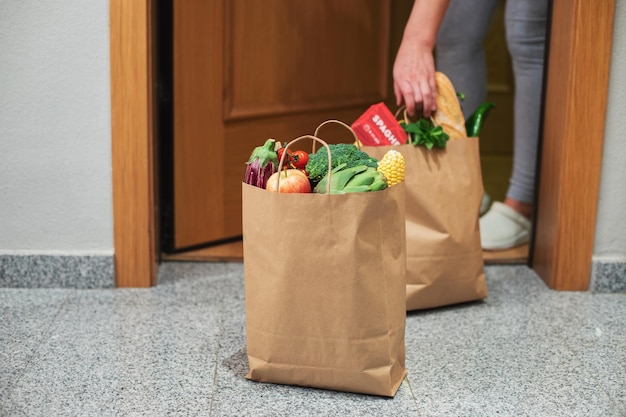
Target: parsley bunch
x=424 y=132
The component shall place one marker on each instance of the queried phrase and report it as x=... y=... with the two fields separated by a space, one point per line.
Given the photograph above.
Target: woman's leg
x=526 y=23
x=508 y=225
x=459 y=49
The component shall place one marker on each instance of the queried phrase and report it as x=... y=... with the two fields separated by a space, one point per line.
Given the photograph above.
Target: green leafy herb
x=424 y=132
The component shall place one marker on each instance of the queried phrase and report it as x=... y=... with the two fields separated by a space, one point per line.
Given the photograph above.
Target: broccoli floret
x=341 y=153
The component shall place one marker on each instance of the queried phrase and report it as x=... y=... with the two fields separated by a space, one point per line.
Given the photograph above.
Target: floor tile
x=125 y=352
x=525 y=351
x=180 y=349
x=26 y=316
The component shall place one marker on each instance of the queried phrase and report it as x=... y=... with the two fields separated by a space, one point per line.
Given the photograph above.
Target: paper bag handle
x=400 y=109
x=316 y=134
x=315 y=140
x=406 y=115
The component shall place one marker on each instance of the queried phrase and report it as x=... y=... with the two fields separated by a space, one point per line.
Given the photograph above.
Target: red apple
x=291 y=181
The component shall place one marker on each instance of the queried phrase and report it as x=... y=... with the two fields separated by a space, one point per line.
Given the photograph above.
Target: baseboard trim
x=57 y=271
x=608 y=276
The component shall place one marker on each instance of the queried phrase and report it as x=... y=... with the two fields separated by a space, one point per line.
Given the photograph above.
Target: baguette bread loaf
x=449 y=114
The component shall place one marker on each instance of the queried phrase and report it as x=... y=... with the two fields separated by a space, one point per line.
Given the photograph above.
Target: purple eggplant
x=262 y=164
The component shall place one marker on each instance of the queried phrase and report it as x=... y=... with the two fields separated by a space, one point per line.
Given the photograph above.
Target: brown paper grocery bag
x=325 y=288
x=443 y=194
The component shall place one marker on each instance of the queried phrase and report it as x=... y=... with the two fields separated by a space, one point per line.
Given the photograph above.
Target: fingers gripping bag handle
x=406 y=119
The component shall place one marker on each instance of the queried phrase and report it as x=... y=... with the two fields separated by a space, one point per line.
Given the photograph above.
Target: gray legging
x=460 y=55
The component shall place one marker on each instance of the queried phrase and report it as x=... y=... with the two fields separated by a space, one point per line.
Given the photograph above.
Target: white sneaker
x=503 y=228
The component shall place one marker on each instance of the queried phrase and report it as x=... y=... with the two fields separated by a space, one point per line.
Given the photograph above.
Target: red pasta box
x=378 y=127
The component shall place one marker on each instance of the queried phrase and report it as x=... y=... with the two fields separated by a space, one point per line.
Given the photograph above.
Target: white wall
x=610 y=240
x=55 y=130
x=55 y=134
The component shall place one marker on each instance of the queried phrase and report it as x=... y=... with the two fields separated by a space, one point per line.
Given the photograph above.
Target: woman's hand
x=414 y=68
x=414 y=79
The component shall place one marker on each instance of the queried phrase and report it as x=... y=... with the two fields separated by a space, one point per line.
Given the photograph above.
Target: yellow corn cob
x=392 y=166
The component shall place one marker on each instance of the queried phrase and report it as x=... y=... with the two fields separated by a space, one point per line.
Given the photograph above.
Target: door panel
x=284 y=56
x=247 y=70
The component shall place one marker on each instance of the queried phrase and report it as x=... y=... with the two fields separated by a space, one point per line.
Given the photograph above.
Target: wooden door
x=245 y=71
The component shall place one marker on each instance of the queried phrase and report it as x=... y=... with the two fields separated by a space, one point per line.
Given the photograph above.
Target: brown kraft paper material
x=325 y=289
x=443 y=194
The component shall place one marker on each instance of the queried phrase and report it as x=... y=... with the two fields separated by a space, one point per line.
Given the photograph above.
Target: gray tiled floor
x=179 y=349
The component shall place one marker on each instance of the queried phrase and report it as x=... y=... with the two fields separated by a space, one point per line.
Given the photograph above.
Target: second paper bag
x=443 y=194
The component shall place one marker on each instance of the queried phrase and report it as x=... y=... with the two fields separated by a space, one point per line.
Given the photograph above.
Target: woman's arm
x=414 y=67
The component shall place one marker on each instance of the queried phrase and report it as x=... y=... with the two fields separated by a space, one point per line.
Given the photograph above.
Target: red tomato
x=300 y=159
x=289 y=159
